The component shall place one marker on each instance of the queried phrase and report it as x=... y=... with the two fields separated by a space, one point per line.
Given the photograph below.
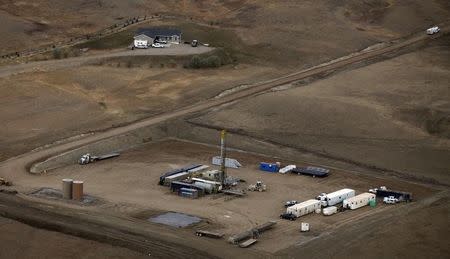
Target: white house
x=145 y=37
x=142 y=41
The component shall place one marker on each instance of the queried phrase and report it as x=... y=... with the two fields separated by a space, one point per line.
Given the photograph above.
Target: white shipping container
x=336 y=197
x=329 y=210
x=287 y=169
x=359 y=201
x=304 y=208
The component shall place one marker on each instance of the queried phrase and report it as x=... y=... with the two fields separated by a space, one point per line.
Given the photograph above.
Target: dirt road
x=174 y=50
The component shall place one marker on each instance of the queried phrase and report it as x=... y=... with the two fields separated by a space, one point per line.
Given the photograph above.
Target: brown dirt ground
x=22 y=241
x=393 y=114
x=128 y=185
x=422 y=233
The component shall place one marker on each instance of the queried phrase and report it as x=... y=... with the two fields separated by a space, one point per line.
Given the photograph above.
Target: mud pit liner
x=175 y=219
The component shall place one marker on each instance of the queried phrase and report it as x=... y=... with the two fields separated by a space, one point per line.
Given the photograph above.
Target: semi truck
x=336 y=197
x=385 y=192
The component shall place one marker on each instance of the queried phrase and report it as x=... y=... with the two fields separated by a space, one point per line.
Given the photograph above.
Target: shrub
x=195 y=62
x=215 y=59
x=56 y=53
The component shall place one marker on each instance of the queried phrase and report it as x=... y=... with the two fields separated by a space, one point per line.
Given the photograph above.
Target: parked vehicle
x=287 y=169
x=336 y=197
x=258 y=187
x=157 y=45
x=329 y=210
x=290 y=203
x=433 y=30
x=390 y=200
x=288 y=216
x=384 y=192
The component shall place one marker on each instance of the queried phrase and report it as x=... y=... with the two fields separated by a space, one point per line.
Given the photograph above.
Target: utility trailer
x=400 y=195
x=176 y=177
x=248 y=243
x=176 y=186
x=336 y=197
x=252 y=233
x=206 y=233
x=162 y=178
x=358 y=201
x=311 y=171
x=303 y=208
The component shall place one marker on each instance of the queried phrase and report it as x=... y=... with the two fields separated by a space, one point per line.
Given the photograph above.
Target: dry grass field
x=69 y=102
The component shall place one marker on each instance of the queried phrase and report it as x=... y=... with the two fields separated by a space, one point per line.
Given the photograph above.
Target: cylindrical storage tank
x=67 y=188
x=209 y=188
x=77 y=190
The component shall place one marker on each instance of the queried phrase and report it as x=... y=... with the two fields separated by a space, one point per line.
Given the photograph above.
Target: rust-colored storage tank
x=77 y=190
x=67 y=188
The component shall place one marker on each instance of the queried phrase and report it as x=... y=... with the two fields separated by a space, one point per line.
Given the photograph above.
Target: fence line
x=115 y=28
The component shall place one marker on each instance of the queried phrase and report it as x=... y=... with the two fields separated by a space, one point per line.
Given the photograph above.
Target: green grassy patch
x=118 y=40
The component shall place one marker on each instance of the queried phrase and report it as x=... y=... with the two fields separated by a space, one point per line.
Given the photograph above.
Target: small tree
x=196 y=62
x=56 y=53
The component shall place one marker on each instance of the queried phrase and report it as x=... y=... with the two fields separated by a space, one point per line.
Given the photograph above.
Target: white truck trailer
x=358 y=201
x=304 y=208
x=336 y=197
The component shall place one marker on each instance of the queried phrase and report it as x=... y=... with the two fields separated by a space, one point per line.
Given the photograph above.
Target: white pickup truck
x=390 y=200
x=433 y=30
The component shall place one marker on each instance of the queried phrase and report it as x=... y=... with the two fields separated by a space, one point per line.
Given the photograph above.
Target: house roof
x=142 y=37
x=153 y=32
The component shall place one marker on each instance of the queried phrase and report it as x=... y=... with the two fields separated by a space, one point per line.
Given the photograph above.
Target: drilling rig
x=223 y=173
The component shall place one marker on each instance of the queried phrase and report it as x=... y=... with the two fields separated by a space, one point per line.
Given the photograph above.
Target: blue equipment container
x=269 y=167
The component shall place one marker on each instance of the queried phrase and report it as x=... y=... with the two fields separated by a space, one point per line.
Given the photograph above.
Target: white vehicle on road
x=157 y=45
x=433 y=30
